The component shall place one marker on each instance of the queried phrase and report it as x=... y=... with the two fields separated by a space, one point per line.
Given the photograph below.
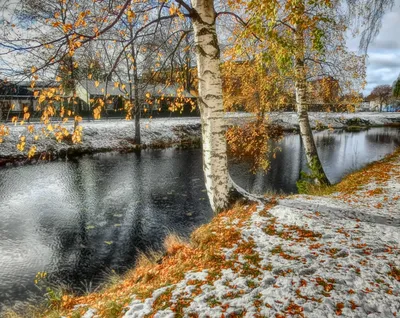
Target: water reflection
x=341 y=152
x=78 y=219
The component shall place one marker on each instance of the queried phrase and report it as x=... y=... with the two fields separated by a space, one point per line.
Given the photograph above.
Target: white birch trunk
x=302 y=112
x=211 y=105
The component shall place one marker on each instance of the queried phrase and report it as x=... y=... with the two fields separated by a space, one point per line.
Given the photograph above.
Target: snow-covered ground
x=316 y=257
x=108 y=135
x=102 y=135
x=335 y=120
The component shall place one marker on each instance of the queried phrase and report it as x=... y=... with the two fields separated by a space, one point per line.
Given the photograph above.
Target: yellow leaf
x=32 y=151
x=41 y=99
x=96 y=83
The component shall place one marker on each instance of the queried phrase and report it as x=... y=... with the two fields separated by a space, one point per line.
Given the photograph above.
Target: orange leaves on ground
x=394 y=272
x=291 y=232
x=326 y=284
x=374 y=192
x=205 y=252
x=339 y=308
x=284 y=254
x=294 y=310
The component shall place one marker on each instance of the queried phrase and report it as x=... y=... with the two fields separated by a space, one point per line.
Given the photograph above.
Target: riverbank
x=305 y=256
x=117 y=135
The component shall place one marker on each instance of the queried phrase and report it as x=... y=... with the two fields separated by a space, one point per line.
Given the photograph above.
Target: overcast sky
x=383 y=65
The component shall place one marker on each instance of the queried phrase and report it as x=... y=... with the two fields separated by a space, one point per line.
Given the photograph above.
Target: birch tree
x=80 y=24
x=304 y=39
x=215 y=164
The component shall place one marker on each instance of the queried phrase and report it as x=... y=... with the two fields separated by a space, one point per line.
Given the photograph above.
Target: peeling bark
x=210 y=102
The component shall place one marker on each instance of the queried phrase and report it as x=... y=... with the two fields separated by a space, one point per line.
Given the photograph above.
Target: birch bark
x=302 y=112
x=211 y=105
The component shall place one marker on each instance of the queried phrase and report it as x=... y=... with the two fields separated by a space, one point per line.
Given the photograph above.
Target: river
x=79 y=219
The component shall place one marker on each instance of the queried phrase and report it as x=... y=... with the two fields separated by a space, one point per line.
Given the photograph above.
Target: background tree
x=305 y=40
x=382 y=94
x=396 y=88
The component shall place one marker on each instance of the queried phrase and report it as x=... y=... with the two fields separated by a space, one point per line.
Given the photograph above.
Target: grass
x=154 y=270
x=378 y=171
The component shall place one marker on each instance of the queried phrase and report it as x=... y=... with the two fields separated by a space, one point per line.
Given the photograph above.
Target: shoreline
x=117 y=135
x=301 y=254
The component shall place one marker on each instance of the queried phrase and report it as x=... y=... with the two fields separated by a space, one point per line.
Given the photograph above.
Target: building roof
x=155 y=90
x=102 y=88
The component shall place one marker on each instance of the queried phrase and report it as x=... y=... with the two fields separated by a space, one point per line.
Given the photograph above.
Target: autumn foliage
x=251 y=142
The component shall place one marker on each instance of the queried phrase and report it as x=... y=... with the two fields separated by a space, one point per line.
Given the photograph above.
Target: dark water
x=61 y=217
x=340 y=152
x=79 y=219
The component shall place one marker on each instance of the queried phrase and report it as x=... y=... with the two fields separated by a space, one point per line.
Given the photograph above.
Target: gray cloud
x=383 y=64
x=378 y=60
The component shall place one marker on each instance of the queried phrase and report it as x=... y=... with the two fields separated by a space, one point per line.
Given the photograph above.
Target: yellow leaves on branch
x=130 y=15
x=251 y=143
x=31 y=151
x=4 y=131
x=128 y=106
x=97 y=112
x=77 y=135
x=27 y=115
x=31 y=129
x=21 y=144
x=67 y=27
x=174 y=10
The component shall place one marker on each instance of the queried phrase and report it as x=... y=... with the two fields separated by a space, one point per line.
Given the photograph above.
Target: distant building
x=115 y=94
x=14 y=96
